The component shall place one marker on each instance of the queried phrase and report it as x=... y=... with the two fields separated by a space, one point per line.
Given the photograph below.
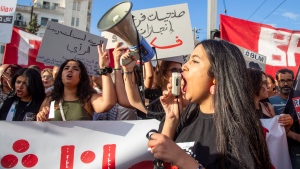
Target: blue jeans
x=294 y=151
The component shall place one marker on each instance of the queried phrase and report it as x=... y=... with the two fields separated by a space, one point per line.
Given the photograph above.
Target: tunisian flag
x=280 y=46
x=22 y=49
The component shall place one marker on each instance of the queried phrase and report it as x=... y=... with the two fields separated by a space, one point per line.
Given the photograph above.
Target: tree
x=33 y=26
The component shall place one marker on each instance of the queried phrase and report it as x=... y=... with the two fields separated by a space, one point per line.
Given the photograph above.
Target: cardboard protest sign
x=254 y=60
x=7 y=13
x=61 y=42
x=76 y=144
x=167 y=28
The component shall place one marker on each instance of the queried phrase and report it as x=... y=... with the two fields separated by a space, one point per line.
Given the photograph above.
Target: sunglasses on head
x=175 y=70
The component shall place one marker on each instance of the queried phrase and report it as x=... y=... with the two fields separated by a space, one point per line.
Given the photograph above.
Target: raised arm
x=149 y=75
x=130 y=85
x=108 y=99
x=119 y=83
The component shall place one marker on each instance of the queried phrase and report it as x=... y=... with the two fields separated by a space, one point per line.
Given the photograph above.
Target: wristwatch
x=104 y=71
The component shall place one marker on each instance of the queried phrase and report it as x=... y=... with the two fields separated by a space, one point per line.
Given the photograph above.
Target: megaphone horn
x=118 y=20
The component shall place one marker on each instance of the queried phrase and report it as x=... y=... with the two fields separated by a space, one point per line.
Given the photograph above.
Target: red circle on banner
x=9 y=161
x=29 y=160
x=87 y=156
x=20 y=146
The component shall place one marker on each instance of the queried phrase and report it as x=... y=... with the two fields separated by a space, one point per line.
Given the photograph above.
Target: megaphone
x=118 y=20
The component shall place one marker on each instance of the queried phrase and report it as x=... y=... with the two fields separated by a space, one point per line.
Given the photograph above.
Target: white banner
x=167 y=28
x=61 y=42
x=277 y=143
x=7 y=15
x=76 y=145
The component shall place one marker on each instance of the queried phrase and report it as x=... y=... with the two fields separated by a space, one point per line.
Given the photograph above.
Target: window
x=78 y=6
x=55 y=6
x=77 y=21
x=44 y=21
x=54 y=20
x=74 y=5
x=2 y=47
x=46 y=5
x=72 y=22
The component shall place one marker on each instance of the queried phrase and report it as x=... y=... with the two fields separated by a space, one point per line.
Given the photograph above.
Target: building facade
x=73 y=13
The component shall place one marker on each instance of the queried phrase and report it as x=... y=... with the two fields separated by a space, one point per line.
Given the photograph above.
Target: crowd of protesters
x=220 y=104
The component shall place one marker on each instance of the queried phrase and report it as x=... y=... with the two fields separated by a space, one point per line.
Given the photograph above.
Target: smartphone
x=176 y=83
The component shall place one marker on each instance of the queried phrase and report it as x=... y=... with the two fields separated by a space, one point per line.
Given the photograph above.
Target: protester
x=36 y=67
x=163 y=72
x=271 y=85
x=48 y=80
x=122 y=110
x=7 y=72
x=285 y=79
x=260 y=89
x=219 y=121
x=29 y=93
x=73 y=96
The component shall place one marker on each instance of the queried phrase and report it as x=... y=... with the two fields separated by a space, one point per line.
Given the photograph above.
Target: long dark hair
x=234 y=107
x=34 y=83
x=255 y=80
x=84 y=89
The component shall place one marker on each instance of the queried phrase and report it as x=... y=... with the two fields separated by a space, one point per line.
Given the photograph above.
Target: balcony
x=20 y=23
x=23 y=8
x=50 y=8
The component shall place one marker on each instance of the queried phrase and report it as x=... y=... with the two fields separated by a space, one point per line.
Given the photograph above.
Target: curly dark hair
x=255 y=80
x=84 y=89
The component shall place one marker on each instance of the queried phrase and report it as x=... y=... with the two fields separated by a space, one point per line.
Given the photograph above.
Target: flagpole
x=211 y=16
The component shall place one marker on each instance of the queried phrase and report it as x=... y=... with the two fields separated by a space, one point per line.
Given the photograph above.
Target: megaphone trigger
x=124 y=62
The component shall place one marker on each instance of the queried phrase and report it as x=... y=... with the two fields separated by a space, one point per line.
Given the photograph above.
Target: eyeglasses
x=46 y=77
x=179 y=70
x=288 y=81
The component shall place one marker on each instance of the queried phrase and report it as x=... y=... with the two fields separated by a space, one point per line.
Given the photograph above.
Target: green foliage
x=33 y=26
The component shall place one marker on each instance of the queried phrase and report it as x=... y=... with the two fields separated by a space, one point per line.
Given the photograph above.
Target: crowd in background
x=221 y=102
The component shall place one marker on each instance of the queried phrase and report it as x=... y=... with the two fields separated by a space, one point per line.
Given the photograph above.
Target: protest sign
x=77 y=144
x=167 y=28
x=7 y=13
x=61 y=42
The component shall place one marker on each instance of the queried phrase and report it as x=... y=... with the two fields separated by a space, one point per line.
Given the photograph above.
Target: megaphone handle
x=124 y=62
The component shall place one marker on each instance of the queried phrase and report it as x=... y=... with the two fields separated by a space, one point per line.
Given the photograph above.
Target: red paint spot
x=265 y=131
x=278 y=36
x=20 y=146
x=87 y=157
x=143 y=164
x=29 y=160
x=9 y=161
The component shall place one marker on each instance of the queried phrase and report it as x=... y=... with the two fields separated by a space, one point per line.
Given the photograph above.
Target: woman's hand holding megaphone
x=118 y=51
x=129 y=67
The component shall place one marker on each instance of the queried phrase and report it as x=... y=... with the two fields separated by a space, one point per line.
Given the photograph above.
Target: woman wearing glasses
x=47 y=77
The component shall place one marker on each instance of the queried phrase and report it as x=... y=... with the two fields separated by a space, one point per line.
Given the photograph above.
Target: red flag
x=23 y=49
x=280 y=46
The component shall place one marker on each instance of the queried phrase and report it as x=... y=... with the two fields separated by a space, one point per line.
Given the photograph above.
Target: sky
x=277 y=13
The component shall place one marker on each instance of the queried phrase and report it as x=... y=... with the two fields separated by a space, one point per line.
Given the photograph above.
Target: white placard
x=167 y=28
x=7 y=15
x=61 y=42
x=76 y=145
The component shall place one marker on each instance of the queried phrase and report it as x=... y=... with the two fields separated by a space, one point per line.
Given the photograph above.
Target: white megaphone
x=118 y=20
